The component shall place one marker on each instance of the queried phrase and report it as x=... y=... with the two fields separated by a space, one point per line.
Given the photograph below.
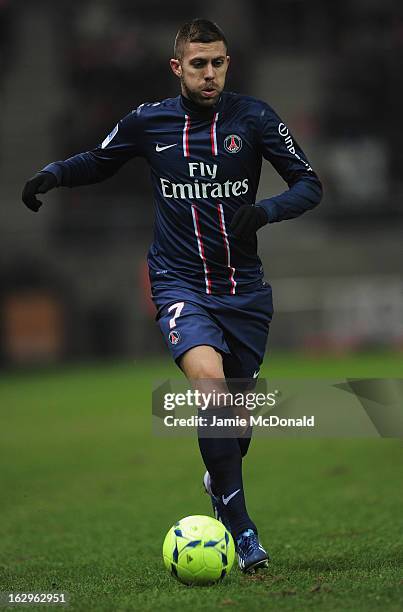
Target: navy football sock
x=223 y=460
x=244 y=442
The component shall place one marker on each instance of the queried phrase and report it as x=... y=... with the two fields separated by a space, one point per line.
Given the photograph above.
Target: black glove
x=40 y=183
x=247 y=220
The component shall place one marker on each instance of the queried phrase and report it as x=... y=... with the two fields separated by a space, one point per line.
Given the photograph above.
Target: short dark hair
x=197 y=30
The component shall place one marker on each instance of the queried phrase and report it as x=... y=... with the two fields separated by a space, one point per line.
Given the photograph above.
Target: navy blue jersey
x=205 y=164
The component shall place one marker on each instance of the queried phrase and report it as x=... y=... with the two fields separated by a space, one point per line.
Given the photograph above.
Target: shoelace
x=249 y=541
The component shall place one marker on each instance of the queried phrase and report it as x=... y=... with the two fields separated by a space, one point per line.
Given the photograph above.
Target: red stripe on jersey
x=201 y=248
x=185 y=136
x=223 y=231
x=213 y=135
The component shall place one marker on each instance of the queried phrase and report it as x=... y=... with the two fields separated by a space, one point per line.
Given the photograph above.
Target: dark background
x=73 y=277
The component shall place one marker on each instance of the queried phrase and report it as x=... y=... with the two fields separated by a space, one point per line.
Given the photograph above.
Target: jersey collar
x=192 y=108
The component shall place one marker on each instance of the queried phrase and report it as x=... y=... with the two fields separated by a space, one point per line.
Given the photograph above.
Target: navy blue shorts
x=235 y=325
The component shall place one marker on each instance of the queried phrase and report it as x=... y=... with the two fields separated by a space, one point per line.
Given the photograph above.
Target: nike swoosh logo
x=256 y=374
x=225 y=500
x=160 y=148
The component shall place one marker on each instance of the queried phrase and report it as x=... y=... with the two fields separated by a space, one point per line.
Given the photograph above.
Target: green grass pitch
x=87 y=495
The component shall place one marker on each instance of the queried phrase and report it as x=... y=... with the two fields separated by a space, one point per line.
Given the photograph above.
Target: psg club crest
x=233 y=143
x=174 y=337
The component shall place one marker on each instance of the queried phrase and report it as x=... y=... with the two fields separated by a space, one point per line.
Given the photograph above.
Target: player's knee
x=208 y=369
x=202 y=362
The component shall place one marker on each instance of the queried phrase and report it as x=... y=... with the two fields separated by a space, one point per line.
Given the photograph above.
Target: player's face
x=202 y=71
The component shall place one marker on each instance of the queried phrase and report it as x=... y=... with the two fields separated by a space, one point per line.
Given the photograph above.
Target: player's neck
x=192 y=107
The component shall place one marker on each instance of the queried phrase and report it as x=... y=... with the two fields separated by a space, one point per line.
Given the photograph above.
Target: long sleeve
x=282 y=151
x=122 y=144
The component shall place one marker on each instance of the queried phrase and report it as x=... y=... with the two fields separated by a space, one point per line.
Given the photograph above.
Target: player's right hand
x=40 y=183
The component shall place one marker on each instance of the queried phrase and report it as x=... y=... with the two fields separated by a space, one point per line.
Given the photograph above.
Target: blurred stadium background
x=80 y=471
x=73 y=278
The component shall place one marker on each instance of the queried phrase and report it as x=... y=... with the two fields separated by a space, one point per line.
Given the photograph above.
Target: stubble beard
x=197 y=98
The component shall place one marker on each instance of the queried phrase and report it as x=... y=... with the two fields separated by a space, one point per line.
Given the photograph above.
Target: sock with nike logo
x=223 y=460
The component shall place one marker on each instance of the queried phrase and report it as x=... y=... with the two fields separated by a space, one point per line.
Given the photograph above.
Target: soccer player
x=205 y=150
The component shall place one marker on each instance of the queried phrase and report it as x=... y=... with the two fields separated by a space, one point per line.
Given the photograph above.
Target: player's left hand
x=42 y=182
x=247 y=220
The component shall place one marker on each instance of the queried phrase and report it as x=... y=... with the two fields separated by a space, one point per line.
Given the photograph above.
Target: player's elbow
x=314 y=189
x=319 y=188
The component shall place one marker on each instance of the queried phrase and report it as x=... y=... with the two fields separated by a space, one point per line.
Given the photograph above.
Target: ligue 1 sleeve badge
x=174 y=336
x=233 y=143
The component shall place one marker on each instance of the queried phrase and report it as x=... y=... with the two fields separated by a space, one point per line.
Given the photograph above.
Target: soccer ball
x=198 y=550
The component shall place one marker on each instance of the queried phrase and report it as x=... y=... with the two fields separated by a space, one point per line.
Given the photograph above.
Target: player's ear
x=176 y=67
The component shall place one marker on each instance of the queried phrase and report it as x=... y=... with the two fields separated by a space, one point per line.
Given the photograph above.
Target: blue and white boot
x=218 y=507
x=251 y=554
